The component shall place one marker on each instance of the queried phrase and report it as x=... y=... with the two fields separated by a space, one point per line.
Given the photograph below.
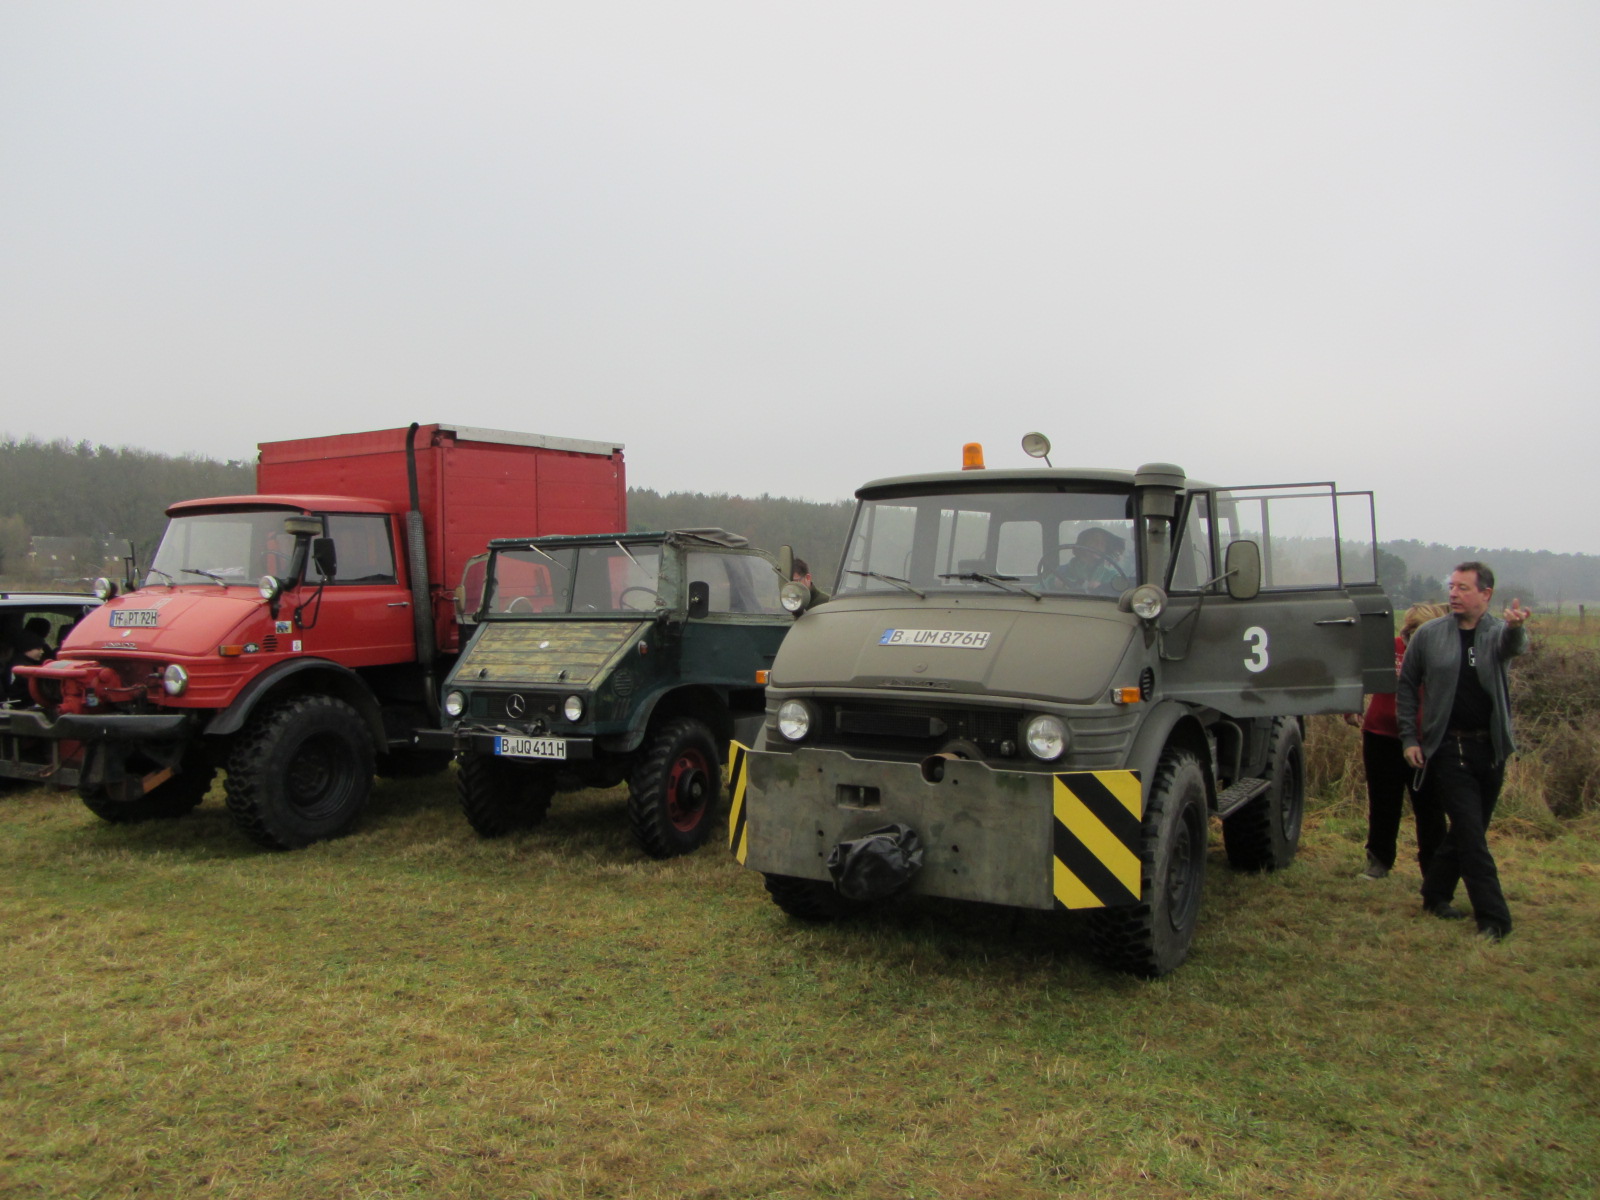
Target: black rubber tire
x=810 y=899
x=501 y=797
x=178 y=796
x=1152 y=937
x=675 y=789
x=1264 y=835
x=412 y=764
x=300 y=773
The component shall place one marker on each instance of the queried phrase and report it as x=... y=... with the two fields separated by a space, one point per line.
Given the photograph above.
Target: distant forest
x=85 y=500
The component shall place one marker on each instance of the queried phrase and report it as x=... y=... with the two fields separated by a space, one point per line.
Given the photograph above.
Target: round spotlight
x=572 y=708
x=454 y=704
x=1147 y=601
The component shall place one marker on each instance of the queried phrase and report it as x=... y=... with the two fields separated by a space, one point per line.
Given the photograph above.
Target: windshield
x=235 y=547
x=1049 y=543
x=574 y=579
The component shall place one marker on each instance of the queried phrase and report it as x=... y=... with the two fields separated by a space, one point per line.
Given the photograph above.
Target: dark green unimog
x=600 y=659
x=1036 y=687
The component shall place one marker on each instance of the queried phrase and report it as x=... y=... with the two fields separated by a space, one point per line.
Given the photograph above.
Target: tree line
x=105 y=496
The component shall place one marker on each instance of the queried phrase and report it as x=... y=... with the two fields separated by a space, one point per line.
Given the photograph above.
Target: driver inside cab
x=1094 y=568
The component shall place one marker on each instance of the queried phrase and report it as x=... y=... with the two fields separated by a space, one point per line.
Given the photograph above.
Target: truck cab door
x=363 y=616
x=1302 y=644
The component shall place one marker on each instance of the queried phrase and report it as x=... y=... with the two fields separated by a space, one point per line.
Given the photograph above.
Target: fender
x=1167 y=718
x=351 y=688
x=714 y=714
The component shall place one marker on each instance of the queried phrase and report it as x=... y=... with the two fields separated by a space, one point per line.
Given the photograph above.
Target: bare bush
x=1334 y=776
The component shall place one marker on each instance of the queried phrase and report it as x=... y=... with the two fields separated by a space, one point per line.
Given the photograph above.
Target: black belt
x=1468 y=735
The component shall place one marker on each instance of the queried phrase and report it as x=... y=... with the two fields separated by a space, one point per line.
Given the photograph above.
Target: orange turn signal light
x=972 y=456
x=230 y=651
x=1127 y=695
x=762 y=677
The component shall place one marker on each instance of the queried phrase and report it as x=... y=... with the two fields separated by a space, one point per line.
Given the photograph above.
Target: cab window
x=1295 y=525
x=738 y=583
x=365 y=552
x=1191 y=557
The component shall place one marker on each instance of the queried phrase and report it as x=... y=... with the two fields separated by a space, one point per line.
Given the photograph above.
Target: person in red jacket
x=1389 y=776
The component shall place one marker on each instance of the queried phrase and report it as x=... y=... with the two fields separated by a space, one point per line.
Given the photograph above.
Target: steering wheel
x=511 y=607
x=1097 y=554
x=622 y=597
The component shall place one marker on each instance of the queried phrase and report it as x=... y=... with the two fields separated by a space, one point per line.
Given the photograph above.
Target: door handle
x=407 y=604
x=1336 y=621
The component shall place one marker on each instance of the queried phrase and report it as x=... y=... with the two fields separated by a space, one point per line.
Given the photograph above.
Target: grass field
x=413 y=1012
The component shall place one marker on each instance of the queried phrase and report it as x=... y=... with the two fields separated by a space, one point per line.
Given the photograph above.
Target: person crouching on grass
x=1462 y=741
x=1388 y=775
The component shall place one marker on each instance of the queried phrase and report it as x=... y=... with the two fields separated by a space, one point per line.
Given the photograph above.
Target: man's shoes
x=1493 y=933
x=1444 y=910
x=1374 y=868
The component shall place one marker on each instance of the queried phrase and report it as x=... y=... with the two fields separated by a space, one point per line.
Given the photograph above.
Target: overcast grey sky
x=790 y=247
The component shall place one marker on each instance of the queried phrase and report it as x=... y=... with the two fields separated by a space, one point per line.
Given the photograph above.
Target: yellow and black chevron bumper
x=738 y=783
x=1097 y=816
x=1022 y=838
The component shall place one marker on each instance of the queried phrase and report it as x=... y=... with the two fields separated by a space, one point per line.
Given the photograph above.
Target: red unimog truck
x=296 y=638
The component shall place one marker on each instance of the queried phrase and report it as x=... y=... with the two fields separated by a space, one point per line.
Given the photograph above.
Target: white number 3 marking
x=1257 y=636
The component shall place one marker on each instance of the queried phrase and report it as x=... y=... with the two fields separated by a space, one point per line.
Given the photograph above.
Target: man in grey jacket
x=1455 y=724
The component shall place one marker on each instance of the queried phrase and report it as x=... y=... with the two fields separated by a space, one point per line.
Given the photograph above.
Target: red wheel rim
x=688 y=790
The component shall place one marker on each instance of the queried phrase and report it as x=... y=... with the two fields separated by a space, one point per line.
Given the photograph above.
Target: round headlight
x=454 y=704
x=794 y=719
x=269 y=587
x=1046 y=737
x=793 y=596
x=104 y=588
x=572 y=708
x=1147 y=601
x=175 y=680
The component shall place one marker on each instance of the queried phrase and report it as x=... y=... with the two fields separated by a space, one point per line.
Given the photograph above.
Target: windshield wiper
x=1003 y=582
x=904 y=584
x=171 y=582
x=551 y=557
x=211 y=575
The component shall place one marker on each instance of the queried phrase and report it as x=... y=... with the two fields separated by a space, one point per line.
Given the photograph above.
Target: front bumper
x=475 y=741
x=1024 y=839
x=95 y=727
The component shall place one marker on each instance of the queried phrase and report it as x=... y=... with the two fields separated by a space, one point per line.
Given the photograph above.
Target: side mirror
x=699 y=598
x=1243 y=570
x=325 y=557
x=786 y=562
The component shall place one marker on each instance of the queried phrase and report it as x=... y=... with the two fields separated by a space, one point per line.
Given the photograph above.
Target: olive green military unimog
x=1041 y=684
x=600 y=659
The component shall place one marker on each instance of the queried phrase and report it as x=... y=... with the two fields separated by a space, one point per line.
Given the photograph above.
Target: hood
x=189 y=622
x=1065 y=652
x=573 y=653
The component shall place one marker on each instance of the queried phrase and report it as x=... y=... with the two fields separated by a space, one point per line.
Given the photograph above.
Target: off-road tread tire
x=657 y=835
x=499 y=797
x=1264 y=835
x=177 y=797
x=809 y=899
x=1141 y=939
x=257 y=784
